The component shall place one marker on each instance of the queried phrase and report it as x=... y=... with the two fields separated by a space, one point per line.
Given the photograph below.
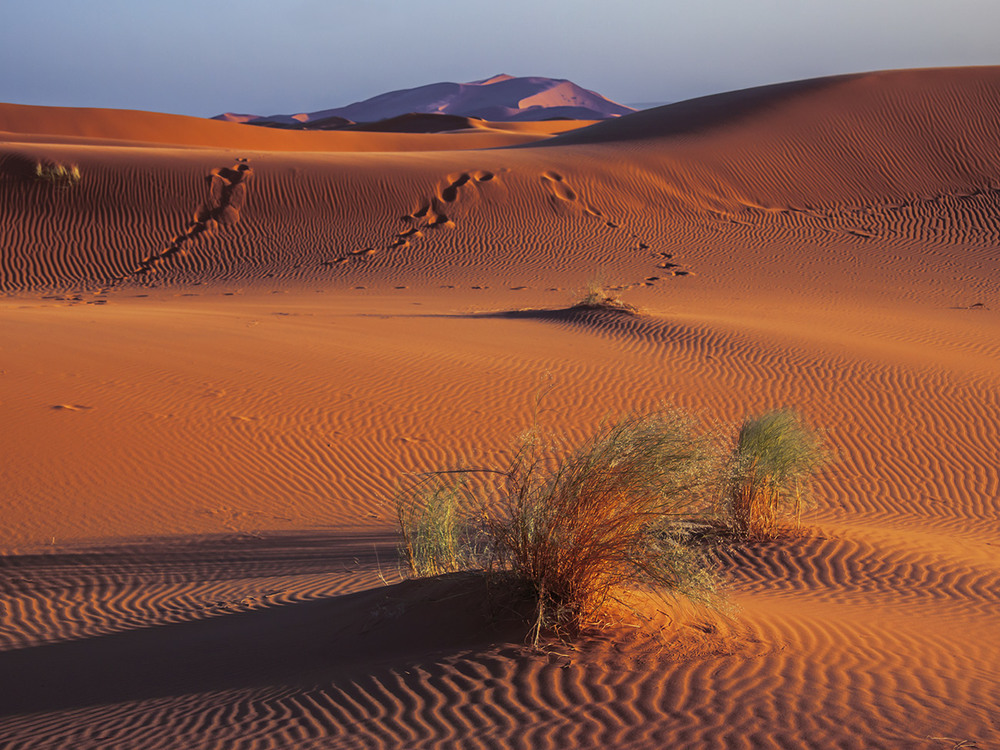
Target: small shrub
x=59 y=175
x=596 y=296
x=434 y=528
x=577 y=530
x=773 y=460
x=603 y=518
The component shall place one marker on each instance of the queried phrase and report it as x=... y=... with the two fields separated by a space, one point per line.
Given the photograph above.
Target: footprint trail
x=227 y=190
x=429 y=216
x=561 y=193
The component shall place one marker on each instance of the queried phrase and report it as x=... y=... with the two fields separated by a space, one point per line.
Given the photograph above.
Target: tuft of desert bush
x=58 y=175
x=596 y=296
x=574 y=529
x=435 y=527
x=774 y=458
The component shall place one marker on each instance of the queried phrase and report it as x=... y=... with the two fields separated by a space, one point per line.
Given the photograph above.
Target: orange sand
x=221 y=349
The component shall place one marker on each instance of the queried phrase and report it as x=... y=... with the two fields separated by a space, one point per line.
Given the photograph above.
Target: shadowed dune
x=301 y=643
x=219 y=356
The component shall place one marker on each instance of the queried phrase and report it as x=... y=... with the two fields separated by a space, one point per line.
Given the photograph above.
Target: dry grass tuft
x=596 y=296
x=435 y=527
x=773 y=460
x=58 y=175
x=583 y=532
x=576 y=529
x=601 y=518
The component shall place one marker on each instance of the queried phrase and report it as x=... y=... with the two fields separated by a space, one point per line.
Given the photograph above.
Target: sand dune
x=502 y=98
x=219 y=356
x=107 y=127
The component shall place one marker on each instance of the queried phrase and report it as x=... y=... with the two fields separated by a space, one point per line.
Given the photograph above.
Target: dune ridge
x=220 y=356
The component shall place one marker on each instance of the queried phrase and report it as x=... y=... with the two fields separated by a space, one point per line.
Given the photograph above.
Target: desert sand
x=221 y=350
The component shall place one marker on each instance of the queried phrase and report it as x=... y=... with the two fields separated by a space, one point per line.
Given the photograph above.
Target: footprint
x=558 y=188
x=226 y=196
x=450 y=193
x=430 y=214
x=561 y=191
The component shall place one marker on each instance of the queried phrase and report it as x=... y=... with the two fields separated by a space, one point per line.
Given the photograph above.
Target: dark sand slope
x=216 y=359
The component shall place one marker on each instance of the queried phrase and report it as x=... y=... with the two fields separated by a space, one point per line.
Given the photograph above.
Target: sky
x=204 y=57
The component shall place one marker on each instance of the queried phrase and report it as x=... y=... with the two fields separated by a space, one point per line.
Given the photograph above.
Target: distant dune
x=222 y=348
x=502 y=98
x=110 y=127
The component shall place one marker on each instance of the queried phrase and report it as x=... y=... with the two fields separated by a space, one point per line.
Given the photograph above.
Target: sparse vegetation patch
x=577 y=529
x=597 y=296
x=772 y=462
x=58 y=175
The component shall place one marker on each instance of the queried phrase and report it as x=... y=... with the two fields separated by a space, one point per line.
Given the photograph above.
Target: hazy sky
x=202 y=57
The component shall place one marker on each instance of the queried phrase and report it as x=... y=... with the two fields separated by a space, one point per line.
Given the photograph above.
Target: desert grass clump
x=606 y=517
x=772 y=462
x=58 y=175
x=596 y=296
x=574 y=530
x=436 y=527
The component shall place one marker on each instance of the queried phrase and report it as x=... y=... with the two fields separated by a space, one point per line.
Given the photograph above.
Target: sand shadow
x=318 y=642
x=572 y=314
x=17 y=166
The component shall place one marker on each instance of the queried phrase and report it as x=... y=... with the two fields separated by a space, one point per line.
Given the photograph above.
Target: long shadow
x=304 y=644
x=196 y=559
x=575 y=313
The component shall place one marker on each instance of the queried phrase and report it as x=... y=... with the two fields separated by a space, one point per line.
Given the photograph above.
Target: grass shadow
x=321 y=641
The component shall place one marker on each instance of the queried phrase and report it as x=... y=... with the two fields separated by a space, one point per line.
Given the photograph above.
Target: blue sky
x=205 y=57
